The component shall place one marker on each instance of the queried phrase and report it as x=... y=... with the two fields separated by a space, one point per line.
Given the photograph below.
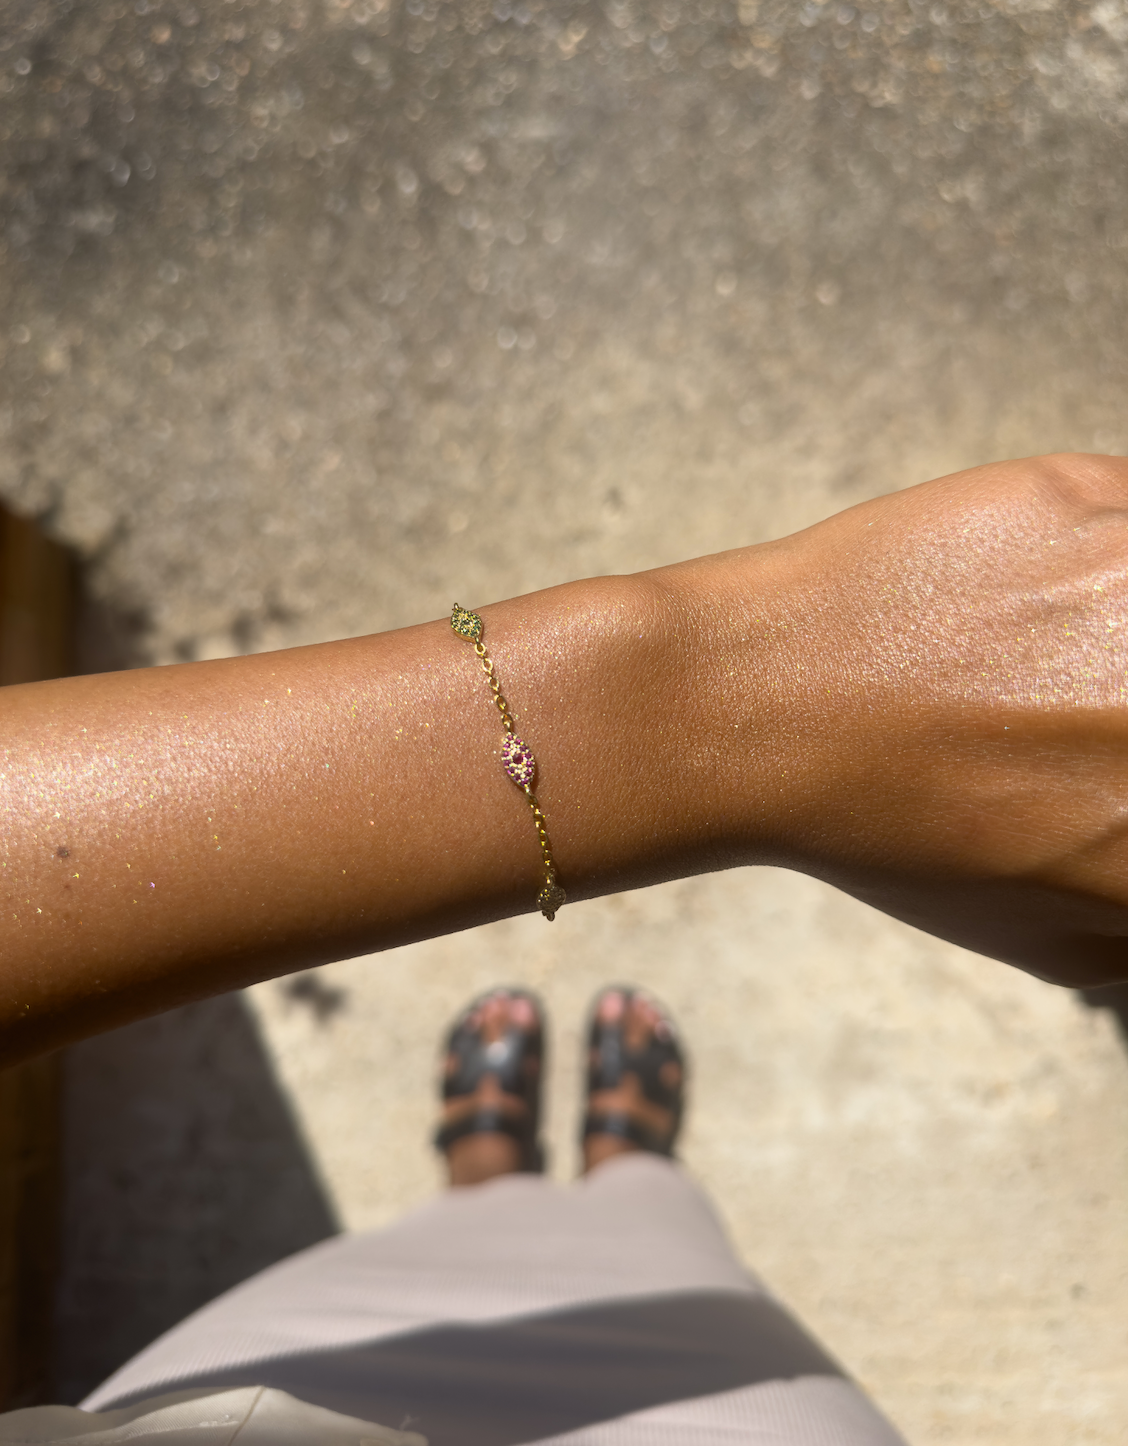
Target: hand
x=949 y=666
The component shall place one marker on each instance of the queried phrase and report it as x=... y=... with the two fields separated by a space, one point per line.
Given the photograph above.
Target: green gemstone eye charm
x=465 y=623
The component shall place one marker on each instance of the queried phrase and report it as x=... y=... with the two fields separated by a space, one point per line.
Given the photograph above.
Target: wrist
x=747 y=754
x=667 y=714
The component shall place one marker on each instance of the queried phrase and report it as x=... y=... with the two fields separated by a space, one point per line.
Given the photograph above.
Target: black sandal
x=516 y=1060
x=610 y=1061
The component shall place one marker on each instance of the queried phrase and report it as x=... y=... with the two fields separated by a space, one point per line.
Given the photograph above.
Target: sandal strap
x=623 y=1127
x=483 y=1122
x=502 y=1057
x=614 y=1062
x=611 y=1060
x=507 y=1060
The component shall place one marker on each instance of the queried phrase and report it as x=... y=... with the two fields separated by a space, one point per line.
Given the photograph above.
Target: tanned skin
x=921 y=700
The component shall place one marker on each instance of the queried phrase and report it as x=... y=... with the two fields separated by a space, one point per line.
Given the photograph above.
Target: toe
x=522 y=1014
x=611 y=1006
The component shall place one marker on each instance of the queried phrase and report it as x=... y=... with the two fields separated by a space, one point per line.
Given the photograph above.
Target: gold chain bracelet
x=516 y=757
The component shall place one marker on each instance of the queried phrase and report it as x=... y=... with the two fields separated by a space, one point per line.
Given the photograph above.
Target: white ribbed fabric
x=811 y=1411
x=252 y=1416
x=547 y=1277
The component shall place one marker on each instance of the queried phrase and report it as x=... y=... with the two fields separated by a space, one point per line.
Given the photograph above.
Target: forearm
x=922 y=700
x=178 y=831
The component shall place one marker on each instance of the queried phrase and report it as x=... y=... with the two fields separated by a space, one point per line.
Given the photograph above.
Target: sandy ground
x=318 y=316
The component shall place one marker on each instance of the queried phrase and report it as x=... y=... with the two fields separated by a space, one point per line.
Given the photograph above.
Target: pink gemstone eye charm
x=517 y=760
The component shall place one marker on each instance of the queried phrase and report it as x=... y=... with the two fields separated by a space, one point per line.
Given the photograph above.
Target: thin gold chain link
x=495 y=687
x=516 y=757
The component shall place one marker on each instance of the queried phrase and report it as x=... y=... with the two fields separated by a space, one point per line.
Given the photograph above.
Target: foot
x=491 y=1089
x=636 y=1075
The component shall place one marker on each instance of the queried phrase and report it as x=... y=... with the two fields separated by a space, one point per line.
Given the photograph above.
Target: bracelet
x=516 y=757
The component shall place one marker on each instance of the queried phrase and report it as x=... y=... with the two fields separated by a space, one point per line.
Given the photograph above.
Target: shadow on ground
x=185 y=1173
x=1113 y=997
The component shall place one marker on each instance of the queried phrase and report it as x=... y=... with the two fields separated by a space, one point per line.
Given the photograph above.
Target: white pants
x=608 y=1311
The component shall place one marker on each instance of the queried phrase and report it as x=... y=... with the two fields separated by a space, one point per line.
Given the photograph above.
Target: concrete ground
x=922 y=1151
x=318 y=316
